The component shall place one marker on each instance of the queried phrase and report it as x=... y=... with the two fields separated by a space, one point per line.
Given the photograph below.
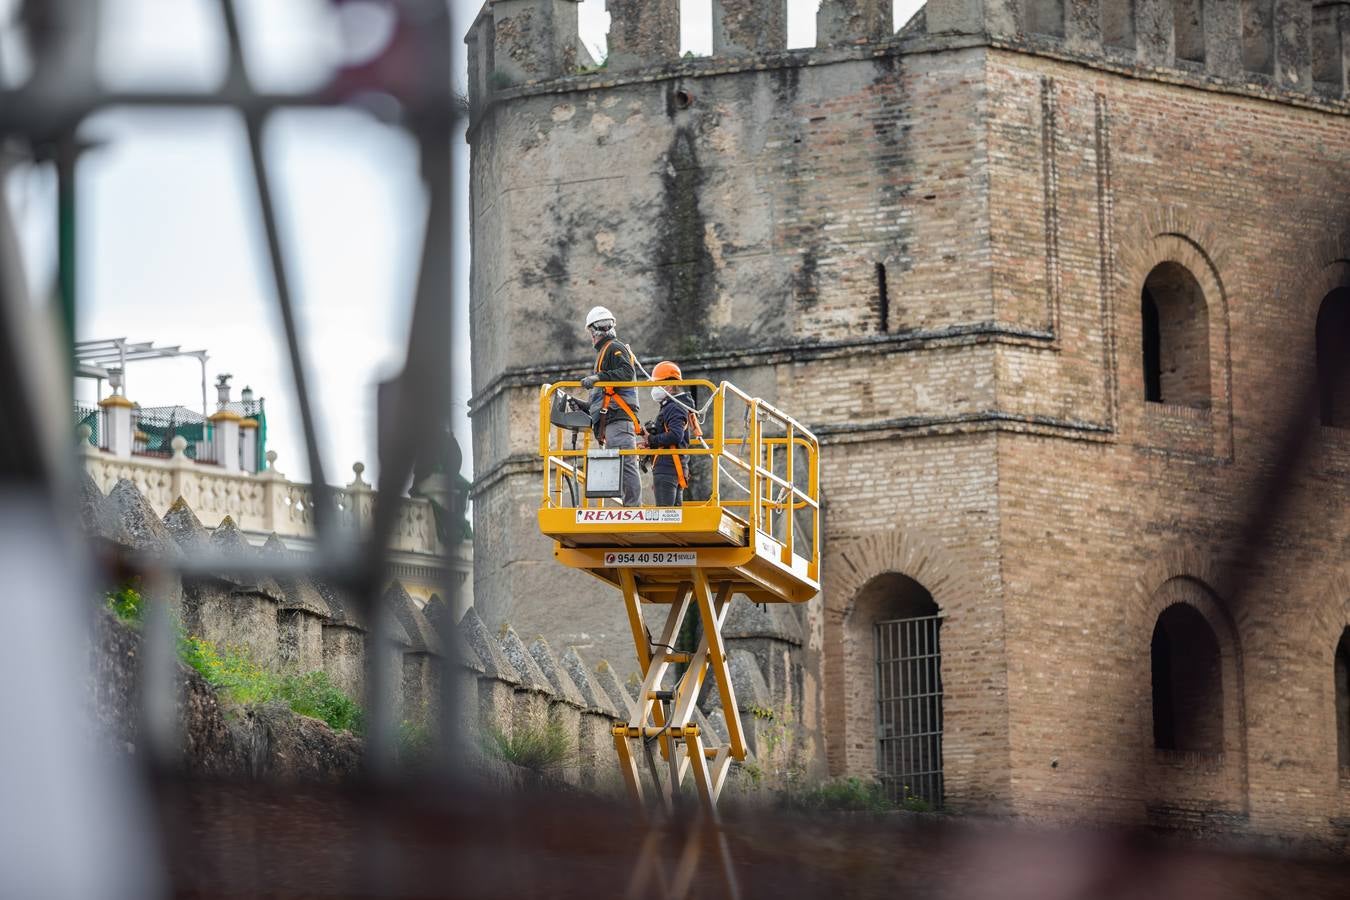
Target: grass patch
x=850 y=795
x=840 y=795
x=544 y=749
x=240 y=680
x=915 y=804
x=244 y=682
x=314 y=694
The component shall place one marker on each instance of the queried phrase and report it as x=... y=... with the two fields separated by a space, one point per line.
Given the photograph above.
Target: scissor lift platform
x=755 y=532
x=660 y=553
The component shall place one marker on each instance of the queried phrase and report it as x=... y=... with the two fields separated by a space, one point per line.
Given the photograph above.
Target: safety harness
x=692 y=431
x=610 y=393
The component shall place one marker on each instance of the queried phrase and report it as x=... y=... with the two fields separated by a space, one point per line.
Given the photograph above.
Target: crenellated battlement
x=1293 y=46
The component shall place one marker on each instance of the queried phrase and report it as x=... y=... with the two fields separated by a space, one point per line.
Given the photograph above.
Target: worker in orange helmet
x=671 y=430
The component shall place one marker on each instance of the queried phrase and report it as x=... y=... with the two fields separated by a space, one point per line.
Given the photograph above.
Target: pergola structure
x=106 y=360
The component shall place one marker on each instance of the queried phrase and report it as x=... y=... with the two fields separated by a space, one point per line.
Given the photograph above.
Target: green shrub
x=840 y=795
x=915 y=804
x=246 y=683
x=236 y=676
x=314 y=694
x=126 y=604
x=242 y=681
x=601 y=66
x=544 y=749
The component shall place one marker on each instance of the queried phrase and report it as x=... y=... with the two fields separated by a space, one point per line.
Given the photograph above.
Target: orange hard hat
x=666 y=369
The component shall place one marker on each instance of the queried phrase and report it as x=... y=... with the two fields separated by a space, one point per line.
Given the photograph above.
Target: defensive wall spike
x=558 y=679
x=489 y=653
x=609 y=684
x=184 y=526
x=127 y=518
x=596 y=698
x=90 y=499
x=515 y=651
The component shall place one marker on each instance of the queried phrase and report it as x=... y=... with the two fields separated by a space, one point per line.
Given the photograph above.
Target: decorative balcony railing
x=264 y=502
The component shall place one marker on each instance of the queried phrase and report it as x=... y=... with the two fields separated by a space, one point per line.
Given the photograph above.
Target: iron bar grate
x=909 y=708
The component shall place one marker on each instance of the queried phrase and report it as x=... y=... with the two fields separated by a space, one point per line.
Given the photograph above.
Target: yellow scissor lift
x=756 y=533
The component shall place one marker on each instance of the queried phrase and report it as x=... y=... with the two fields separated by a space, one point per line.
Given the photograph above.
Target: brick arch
x=1185 y=576
x=1333 y=248
x=1198 y=571
x=1197 y=593
x=1167 y=235
x=1326 y=272
x=1205 y=239
x=1328 y=621
x=1189 y=563
x=850 y=564
x=1327 y=264
x=1329 y=616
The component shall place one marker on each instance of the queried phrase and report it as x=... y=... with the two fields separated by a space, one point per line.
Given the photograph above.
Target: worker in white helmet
x=614 y=411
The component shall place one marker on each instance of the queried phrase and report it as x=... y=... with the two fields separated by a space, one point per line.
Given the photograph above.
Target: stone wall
x=505 y=688
x=931 y=247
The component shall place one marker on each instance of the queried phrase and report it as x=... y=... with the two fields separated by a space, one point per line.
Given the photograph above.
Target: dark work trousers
x=668 y=491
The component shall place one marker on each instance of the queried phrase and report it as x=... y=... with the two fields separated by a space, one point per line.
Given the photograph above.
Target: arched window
x=1342 y=675
x=897 y=618
x=1045 y=17
x=1187 y=682
x=1333 y=358
x=1175 y=338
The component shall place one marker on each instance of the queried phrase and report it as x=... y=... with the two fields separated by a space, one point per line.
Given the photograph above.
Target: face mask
x=659 y=394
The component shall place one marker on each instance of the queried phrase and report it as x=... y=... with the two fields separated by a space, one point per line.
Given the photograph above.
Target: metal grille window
x=909 y=708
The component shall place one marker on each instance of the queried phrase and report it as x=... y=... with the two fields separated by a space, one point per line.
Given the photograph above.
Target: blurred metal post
x=237 y=79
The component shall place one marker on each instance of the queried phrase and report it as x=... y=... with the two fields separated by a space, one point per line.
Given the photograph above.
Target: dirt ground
x=236 y=840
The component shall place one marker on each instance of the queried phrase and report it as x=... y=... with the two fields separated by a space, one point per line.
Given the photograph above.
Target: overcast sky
x=170 y=248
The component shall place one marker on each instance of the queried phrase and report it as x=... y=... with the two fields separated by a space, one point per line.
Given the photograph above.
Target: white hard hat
x=599 y=314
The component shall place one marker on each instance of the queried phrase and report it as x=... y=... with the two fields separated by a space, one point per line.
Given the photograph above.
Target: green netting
x=91 y=416
x=156 y=427
x=262 y=437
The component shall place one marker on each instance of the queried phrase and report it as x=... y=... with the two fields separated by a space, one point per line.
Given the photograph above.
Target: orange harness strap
x=604 y=406
x=609 y=392
x=679 y=469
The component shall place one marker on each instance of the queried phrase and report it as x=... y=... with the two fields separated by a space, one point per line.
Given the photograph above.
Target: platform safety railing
x=763 y=465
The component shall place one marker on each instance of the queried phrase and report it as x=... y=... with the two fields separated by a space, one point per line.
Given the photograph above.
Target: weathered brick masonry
x=945 y=250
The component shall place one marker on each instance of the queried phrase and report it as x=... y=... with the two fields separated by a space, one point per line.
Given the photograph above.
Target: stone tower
x=1044 y=276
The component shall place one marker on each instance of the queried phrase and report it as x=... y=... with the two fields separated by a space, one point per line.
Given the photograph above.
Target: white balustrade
x=262 y=503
